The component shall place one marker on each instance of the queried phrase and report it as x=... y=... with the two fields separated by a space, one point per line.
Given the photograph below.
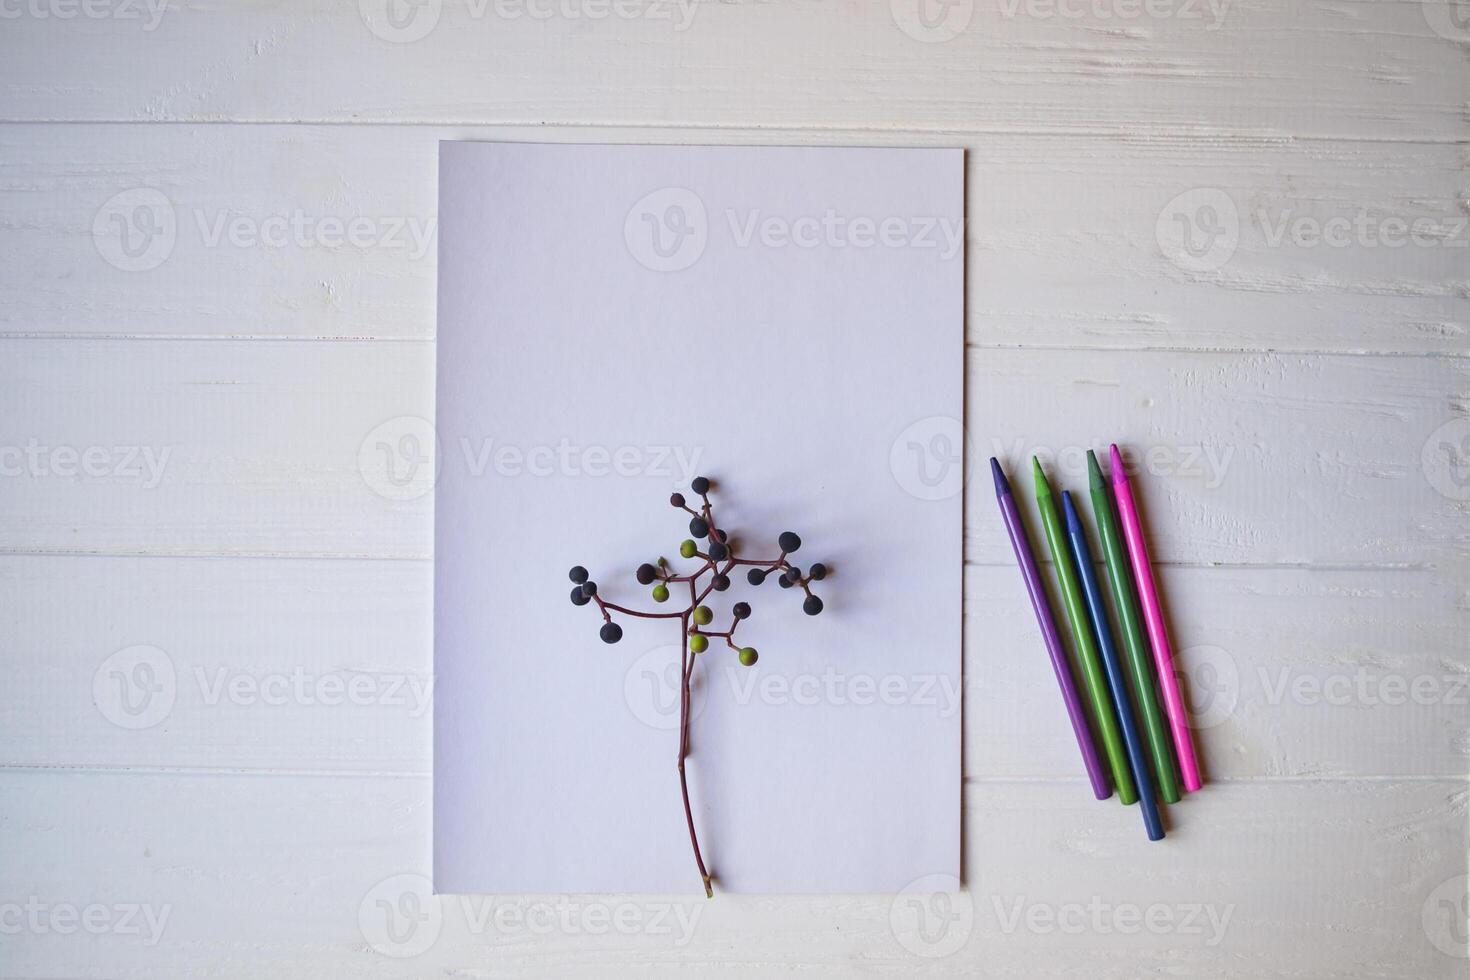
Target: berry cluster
x=718 y=556
x=719 y=559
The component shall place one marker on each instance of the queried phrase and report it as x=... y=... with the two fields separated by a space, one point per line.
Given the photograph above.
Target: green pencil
x=1092 y=671
x=1125 y=603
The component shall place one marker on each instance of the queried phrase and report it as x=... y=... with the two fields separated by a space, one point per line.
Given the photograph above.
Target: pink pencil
x=1153 y=615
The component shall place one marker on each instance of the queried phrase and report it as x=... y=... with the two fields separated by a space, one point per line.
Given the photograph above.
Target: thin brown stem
x=708 y=564
x=729 y=634
x=605 y=606
x=687 y=669
x=773 y=563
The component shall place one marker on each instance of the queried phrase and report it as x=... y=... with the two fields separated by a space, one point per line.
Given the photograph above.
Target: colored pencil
x=1153 y=618
x=1092 y=672
x=1021 y=544
x=1097 y=611
x=1130 y=624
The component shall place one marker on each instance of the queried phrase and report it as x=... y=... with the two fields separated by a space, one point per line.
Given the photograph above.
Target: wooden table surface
x=1231 y=235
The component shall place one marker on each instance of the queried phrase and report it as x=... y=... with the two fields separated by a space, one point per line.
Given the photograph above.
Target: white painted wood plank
x=326 y=666
x=192 y=270
x=232 y=447
x=250 y=664
x=1063 y=235
x=284 y=874
x=1376 y=69
x=248 y=447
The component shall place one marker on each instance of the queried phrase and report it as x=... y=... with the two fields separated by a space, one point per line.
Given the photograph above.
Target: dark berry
x=578 y=574
x=795 y=573
x=611 y=632
x=646 y=573
x=812 y=606
x=817 y=572
x=789 y=542
x=578 y=599
x=676 y=499
x=784 y=581
x=718 y=551
x=721 y=583
x=722 y=536
x=741 y=610
x=589 y=589
x=755 y=576
x=699 y=485
x=698 y=527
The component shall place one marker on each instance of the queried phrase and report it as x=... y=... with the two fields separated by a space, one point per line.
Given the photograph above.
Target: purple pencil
x=1039 y=602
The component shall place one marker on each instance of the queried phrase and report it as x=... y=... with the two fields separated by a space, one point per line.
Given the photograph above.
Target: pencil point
x=1074 y=523
x=1094 y=472
x=1002 y=485
x=1115 y=460
x=1043 y=488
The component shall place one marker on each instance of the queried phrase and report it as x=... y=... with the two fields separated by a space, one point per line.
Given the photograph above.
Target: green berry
x=660 y=593
x=698 y=643
x=703 y=615
x=748 y=656
x=687 y=548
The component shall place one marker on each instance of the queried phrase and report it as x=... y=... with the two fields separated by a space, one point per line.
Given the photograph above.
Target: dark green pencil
x=1125 y=604
x=1092 y=670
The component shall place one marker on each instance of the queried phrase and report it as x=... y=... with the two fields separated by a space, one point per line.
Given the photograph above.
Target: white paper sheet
x=612 y=321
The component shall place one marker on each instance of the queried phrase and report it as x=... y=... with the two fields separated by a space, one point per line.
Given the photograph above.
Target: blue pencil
x=1117 y=680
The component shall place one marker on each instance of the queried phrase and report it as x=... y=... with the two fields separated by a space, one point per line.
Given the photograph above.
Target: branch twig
x=689 y=628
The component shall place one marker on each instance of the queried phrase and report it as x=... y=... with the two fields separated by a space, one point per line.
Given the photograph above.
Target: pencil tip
x=1094 y=472
x=1002 y=485
x=1115 y=459
x=1074 y=523
x=1043 y=488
